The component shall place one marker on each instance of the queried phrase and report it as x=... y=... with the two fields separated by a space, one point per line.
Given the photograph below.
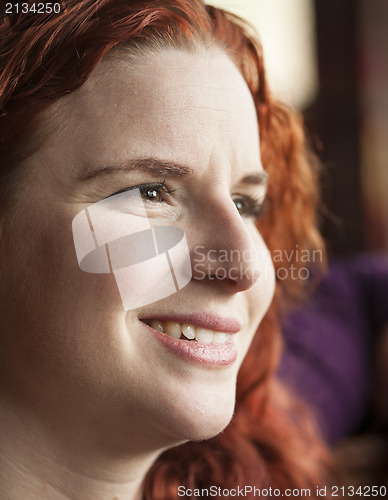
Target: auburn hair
x=271 y=440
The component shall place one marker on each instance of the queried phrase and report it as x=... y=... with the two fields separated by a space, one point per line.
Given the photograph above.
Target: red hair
x=270 y=441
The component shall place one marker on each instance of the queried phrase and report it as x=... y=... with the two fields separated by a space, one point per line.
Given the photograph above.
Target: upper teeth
x=191 y=332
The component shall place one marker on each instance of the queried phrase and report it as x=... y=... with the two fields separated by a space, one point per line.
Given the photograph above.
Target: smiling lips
x=190 y=332
x=199 y=337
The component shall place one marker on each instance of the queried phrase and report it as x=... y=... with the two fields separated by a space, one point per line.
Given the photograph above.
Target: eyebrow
x=163 y=168
x=256 y=179
x=152 y=165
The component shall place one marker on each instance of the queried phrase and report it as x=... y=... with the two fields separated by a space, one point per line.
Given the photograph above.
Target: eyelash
x=254 y=207
x=152 y=186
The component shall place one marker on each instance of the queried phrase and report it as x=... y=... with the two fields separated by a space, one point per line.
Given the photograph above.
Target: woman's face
x=70 y=350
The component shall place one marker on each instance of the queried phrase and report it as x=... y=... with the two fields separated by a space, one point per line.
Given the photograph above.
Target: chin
x=203 y=417
x=209 y=429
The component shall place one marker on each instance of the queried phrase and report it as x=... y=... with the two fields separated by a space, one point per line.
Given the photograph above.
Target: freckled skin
x=94 y=382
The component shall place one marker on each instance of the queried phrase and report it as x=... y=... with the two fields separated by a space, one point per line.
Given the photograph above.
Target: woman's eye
x=240 y=206
x=156 y=193
x=249 y=207
x=151 y=193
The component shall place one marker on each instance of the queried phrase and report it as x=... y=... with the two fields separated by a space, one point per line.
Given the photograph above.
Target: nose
x=225 y=251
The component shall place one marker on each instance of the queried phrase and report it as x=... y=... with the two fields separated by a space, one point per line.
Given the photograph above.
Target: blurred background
x=329 y=59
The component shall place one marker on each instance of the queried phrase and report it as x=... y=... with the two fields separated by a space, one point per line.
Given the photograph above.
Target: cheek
x=64 y=285
x=267 y=277
x=262 y=293
x=64 y=326
x=50 y=289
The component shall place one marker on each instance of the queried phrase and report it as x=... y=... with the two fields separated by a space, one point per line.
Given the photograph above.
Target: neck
x=35 y=463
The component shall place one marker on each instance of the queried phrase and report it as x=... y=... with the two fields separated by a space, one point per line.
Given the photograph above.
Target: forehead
x=172 y=103
x=170 y=80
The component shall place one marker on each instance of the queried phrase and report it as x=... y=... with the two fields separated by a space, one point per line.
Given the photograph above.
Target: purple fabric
x=329 y=343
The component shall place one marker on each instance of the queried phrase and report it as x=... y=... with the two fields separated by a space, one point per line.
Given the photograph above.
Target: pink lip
x=209 y=354
x=202 y=320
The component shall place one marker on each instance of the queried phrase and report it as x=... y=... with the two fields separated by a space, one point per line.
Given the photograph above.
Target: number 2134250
x=361 y=491
x=32 y=8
